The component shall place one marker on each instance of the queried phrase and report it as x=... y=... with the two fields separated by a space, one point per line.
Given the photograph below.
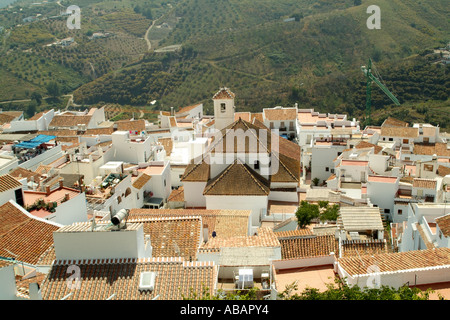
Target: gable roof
x=196 y=172
x=69 y=120
x=365 y=144
x=224 y=93
x=175 y=277
x=141 y=181
x=188 y=108
x=7 y=182
x=444 y=224
x=443 y=171
x=242 y=137
x=239 y=180
x=299 y=247
x=280 y=114
x=173 y=236
x=360 y=218
x=392 y=122
x=354 y=248
x=26 y=237
x=265 y=237
x=130 y=125
x=20 y=172
x=226 y=223
x=439 y=149
x=391 y=262
x=400 y=132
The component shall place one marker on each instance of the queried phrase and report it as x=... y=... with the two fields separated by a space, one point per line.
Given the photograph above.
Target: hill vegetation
x=274 y=53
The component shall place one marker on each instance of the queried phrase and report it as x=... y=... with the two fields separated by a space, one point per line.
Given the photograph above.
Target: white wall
x=7 y=195
x=100 y=244
x=255 y=203
x=382 y=194
x=8 y=283
x=127 y=151
x=398 y=279
x=193 y=194
x=322 y=158
x=72 y=211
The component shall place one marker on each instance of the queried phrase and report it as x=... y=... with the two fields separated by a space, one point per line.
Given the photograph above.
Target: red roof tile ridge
x=236 y=162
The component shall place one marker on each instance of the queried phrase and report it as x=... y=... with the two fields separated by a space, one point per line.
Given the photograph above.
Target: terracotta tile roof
x=392 y=122
x=288 y=169
x=265 y=238
x=167 y=143
x=173 y=122
x=243 y=115
x=22 y=235
x=365 y=144
x=391 y=262
x=444 y=224
x=351 y=248
x=141 y=181
x=187 y=109
x=60 y=133
x=257 y=117
x=244 y=137
x=332 y=177
x=224 y=93
x=173 y=236
x=289 y=148
x=424 y=183
x=7 y=182
x=177 y=195
x=24 y=173
x=5 y=118
x=61 y=121
x=400 y=132
x=226 y=223
x=238 y=179
x=439 y=149
x=99 y=131
x=130 y=125
x=443 y=171
x=196 y=172
x=100 y=279
x=37 y=116
x=294 y=233
x=307 y=247
x=280 y=114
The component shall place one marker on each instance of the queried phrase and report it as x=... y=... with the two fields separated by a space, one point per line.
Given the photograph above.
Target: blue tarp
x=35 y=142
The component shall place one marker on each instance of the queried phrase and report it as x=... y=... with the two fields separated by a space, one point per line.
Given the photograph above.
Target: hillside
x=313 y=59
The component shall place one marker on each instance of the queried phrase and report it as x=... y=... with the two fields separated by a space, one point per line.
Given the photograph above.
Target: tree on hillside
x=36 y=96
x=53 y=89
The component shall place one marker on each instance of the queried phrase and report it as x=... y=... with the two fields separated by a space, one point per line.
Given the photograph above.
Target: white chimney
x=205 y=233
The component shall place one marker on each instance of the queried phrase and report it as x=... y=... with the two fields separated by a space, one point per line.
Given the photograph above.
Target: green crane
x=371 y=78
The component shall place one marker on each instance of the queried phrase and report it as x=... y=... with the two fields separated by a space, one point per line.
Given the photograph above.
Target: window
x=327 y=169
x=332 y=170
x=400 y=211
x=256 y=165
x=387 y=211
x=428 y=167
x=223 y=107
x=391 y=139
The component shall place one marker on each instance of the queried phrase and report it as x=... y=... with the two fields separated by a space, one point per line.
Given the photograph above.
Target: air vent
x=147 y=281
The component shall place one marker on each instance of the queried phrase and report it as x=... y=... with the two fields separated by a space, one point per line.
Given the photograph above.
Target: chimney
x=205 y=233
x=61 y=183
x=47 y=190
x=171 y=111
x=83 y=188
